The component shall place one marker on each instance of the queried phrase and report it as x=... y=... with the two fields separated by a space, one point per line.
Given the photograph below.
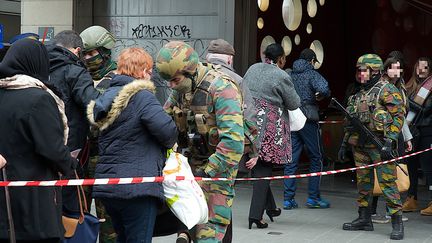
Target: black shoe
x=183 y=238
x=259 y=224
x=363 y=222
x=397 y=227
x=273 y=213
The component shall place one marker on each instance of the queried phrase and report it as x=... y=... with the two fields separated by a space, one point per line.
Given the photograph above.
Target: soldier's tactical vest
x=193 y=117
x=366 y=106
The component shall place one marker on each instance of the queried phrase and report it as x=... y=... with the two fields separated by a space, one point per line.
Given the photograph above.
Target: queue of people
x=73 y=96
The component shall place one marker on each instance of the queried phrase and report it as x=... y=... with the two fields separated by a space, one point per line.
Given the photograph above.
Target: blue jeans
x=310 y=137
x=133 y=219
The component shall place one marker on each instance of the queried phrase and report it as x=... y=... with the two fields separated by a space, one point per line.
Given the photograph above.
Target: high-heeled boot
x=258 y=223
x=273 y=213
x=363 y=222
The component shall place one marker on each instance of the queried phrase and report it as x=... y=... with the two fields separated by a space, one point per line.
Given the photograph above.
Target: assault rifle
x=365 y=134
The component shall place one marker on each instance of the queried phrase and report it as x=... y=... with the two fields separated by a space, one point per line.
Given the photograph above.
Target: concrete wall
x=83 y=15
x=46 y=13
x=152 y=23
x=10 y=18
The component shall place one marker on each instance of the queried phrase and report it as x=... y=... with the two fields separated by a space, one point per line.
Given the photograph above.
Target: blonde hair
x=133 y=61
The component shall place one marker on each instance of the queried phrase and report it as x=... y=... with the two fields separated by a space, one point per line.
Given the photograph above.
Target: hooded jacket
x=307 y=82
x=135 y=133
x=74 y=85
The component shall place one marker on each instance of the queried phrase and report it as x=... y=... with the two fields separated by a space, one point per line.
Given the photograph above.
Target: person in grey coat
x=274 y=94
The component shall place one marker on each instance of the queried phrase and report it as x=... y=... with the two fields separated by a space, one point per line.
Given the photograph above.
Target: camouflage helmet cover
x=176 y=57
x=373 y=61
x=97 y=36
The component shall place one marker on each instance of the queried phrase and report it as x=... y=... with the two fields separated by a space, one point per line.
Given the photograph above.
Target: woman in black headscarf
x=33 y=133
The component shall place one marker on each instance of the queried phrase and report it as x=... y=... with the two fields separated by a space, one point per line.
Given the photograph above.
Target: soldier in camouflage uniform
x=98 y=43
x=212 y=131
x=379 y=106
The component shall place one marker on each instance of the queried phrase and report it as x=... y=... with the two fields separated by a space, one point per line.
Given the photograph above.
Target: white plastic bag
x=297 y=119
x=185 y=198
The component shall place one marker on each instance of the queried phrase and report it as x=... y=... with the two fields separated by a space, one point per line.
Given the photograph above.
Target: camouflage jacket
x=224 y=104
x=381 y=108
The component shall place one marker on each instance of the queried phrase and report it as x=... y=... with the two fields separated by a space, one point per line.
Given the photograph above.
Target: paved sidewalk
x=319 y=225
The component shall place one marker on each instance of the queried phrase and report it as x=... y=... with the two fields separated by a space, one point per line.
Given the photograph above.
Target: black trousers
x=262 y=196
x=413 y=166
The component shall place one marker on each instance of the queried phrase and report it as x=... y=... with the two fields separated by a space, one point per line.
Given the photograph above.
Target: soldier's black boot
x=363 y=222
x=397 y=227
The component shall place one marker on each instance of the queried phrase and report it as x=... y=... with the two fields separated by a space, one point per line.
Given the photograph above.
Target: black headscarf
x=26 y=56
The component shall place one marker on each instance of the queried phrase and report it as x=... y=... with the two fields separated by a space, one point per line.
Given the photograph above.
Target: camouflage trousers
x=106 y=230
x=386 y=175
x=219 y=205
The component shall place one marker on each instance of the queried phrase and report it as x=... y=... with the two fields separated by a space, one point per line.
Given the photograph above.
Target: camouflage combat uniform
x=217 y=126
x=381 y=109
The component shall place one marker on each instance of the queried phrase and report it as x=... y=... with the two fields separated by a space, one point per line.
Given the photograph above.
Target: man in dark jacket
x=311 y=87
x=70 y=78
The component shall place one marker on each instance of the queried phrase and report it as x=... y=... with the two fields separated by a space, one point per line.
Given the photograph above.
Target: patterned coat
x=274 y=94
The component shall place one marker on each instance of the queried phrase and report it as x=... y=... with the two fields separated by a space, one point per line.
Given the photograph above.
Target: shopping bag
x=185 y=198
x=297 y=120
x=81 y=226
x=402 y=181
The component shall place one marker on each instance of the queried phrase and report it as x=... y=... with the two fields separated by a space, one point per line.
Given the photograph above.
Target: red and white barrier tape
x=137 y=180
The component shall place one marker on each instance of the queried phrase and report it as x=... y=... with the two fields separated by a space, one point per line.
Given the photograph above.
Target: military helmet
x=176 y=57
x=373 y=61
x=97 y=36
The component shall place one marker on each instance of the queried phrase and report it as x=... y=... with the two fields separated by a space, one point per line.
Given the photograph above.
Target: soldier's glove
x=200 y=173
x=387 y=149
x=342 y=152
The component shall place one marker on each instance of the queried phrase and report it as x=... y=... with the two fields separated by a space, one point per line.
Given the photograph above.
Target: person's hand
x=2 y=161
x=200 y=173
x=409 y=146
x=75 y=153
x=386 y=151
x=175 y=147
x=251 y=163
x=342 y=152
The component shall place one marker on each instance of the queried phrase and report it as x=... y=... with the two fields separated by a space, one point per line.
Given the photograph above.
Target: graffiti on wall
x=153 y=37
x=153 y=46
x=163 y=31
